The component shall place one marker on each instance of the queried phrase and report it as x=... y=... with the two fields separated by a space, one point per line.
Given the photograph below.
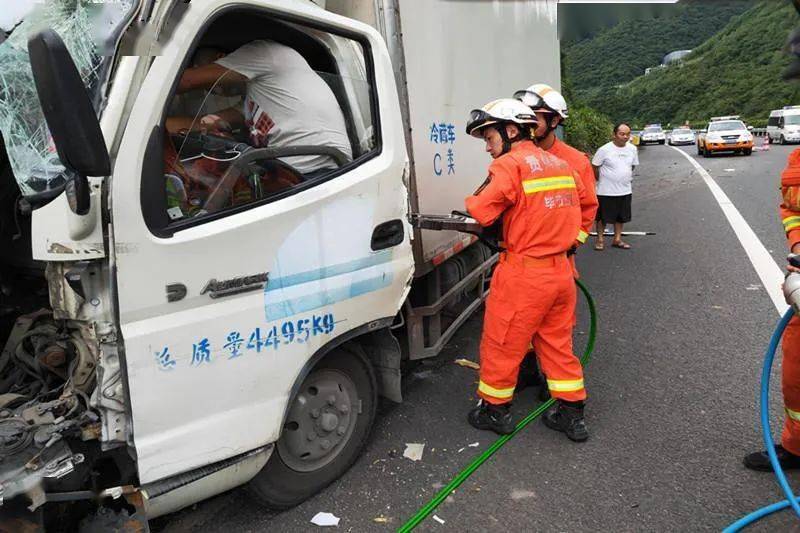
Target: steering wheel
x=199 y=142
x=218 y=195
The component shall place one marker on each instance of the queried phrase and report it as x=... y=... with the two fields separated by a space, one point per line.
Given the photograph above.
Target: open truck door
x=236 y=273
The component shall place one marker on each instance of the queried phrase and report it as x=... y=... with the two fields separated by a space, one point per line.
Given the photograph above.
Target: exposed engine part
x=48 y=371
x=42 y=356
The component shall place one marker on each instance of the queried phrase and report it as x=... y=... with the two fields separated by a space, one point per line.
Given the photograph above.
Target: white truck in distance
x=186 y=312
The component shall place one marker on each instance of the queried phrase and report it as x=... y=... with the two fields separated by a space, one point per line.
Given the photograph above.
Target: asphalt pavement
x=684 y=322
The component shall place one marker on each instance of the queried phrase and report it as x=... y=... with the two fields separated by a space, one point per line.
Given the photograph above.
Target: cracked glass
x=90 y=30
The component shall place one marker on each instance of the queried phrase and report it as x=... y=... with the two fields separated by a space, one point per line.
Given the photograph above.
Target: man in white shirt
x=613 y=166
x=286 y=103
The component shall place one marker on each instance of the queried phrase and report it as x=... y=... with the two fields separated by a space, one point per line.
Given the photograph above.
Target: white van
x=784 y=124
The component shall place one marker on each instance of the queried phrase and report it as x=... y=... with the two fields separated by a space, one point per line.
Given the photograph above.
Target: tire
x=782 y=140
x=699 y=152
x=289 y=477
x=660 y=142
x=748 y=151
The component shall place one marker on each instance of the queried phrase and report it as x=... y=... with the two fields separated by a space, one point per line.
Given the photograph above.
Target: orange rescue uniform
x=532 y=290
x=579 y=162
x=790 y=379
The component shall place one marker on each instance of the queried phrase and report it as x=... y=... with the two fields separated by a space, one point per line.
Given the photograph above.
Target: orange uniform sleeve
x=588 y=198
x=496 y=196
x=790 y=192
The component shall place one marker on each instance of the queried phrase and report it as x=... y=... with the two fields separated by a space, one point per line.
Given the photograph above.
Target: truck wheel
x=699 y=151
x=748 y=151
x=782 y=140
x=326 y=428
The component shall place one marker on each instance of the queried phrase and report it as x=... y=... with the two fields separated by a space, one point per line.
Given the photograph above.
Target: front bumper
x=726 y=147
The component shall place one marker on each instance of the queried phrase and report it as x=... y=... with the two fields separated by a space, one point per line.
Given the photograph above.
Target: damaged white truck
x=183 y=310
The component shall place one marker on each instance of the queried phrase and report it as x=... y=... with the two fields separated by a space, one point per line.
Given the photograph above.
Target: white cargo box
x=451 y=57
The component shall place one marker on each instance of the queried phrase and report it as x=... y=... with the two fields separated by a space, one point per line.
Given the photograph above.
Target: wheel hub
x=320 y=421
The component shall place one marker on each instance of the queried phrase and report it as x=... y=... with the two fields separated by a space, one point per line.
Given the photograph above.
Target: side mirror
x=749 y=128
x=69 y=115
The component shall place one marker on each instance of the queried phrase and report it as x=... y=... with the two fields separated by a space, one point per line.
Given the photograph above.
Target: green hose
x=533 y=415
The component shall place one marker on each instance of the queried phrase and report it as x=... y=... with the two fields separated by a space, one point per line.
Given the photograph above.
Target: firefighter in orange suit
x=550 y=108
x=533 y=290
x=789 y=450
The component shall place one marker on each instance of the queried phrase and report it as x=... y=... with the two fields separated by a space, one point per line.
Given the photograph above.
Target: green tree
x=587 y=129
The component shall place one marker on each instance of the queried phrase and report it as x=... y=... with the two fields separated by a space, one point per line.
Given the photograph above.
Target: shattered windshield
x=90 y=29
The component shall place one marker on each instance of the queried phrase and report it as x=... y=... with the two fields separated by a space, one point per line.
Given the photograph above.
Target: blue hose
x=791 y=499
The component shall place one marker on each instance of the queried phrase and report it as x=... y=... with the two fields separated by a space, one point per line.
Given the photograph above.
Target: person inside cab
x=286 y=104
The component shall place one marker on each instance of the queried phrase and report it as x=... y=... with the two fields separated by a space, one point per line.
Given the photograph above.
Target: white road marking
x=768 y=271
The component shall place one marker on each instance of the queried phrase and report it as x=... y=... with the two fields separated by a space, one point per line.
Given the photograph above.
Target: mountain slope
x=737 y=71
x=621 y=53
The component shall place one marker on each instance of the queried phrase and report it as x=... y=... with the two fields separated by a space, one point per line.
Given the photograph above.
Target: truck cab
x=187 y=308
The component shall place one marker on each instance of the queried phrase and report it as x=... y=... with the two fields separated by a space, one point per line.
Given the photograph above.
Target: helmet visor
x=530 y=99
x=477 y=119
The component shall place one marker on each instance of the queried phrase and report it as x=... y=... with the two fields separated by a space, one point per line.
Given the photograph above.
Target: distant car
x=784 y=125
x=681 y=136
x=652 y=134
x=725 y=134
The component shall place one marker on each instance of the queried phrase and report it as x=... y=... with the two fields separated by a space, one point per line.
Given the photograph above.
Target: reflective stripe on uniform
x=794 y=415
x=790 y=223
x=582 y=236
x=495 y=393
x=548 y=184
x=565 y=385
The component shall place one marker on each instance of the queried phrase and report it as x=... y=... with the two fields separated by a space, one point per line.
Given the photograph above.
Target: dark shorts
x=614 y=209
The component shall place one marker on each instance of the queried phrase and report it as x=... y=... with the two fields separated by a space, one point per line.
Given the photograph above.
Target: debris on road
x=325 y=519
x=438 y=519
x=474 y=444
x=414 y=450
x=522 y=494
x=467 y=363
x=381 y=520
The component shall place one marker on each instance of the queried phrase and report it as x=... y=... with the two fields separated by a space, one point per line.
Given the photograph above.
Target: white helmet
x=544 y=97
x=498 y=112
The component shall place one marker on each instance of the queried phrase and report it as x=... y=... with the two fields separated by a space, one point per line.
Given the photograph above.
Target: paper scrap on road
x=380 y=520
x=474 y=444
x=753 y=287
x=325 y=519
x=413 y=451
x=729 y=169
x=438 y=519
x=467 y=363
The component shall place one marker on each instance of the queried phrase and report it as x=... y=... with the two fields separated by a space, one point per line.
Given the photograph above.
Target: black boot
x=567 y=417
x=494 y=417
x=760 y=460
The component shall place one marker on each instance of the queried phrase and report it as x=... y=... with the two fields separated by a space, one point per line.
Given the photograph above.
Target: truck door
x=235 y=262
